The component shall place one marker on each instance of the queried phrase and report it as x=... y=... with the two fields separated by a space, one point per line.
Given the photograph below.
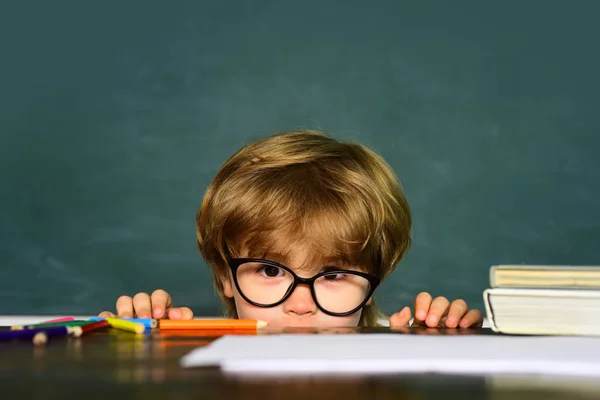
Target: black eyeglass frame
x=234 y=264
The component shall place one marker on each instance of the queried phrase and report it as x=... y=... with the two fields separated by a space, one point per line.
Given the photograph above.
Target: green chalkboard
x=114 y=117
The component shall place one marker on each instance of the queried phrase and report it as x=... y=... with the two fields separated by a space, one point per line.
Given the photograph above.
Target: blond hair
x=340 y=198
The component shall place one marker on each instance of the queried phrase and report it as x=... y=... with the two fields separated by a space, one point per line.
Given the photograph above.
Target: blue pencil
x=149 y=323
x=39 y=336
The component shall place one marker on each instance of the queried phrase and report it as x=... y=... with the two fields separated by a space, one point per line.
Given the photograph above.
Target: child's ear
x=227 y=287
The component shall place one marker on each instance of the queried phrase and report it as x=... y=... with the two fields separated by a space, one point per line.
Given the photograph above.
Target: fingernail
x=176 y=313
x=431 y=321
x=421 y=315
x=158 y=312
x=451 y=322
x=464 y=323
x=403 y=312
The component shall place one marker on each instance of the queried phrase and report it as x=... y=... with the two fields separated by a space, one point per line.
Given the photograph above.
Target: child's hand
x=438 y=312
x=158 y=306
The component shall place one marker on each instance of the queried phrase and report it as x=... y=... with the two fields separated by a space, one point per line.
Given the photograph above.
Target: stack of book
x=544 y=300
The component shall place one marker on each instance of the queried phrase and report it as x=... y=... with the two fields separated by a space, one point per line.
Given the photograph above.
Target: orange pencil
x=204 y=333
x=203 y=324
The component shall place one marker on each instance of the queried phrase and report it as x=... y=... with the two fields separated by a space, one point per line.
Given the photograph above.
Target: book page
x=397 y=353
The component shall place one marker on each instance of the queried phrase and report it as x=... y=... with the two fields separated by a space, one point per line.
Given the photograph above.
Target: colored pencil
x=62 y=319
x=203 y=324
x=126 y=325
x=50 y=325
x=147 y=322
x=31 y=333
x=205 y=333
x=40 y=338
x=92 y=326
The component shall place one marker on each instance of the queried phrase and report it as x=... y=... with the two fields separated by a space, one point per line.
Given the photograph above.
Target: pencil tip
x=261 y=324
x=40 y=338
x=77 y=331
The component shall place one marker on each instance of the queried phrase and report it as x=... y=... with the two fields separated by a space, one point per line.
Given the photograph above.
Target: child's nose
x=300 y=301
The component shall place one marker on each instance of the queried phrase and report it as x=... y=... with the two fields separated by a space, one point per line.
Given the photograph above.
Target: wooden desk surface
x=112 y=363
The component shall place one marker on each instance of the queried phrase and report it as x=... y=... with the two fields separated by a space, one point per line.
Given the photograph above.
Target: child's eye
x=271 y=271
x=335 y=277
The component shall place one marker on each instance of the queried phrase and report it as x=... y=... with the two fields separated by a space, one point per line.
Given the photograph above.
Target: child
x=299 y=230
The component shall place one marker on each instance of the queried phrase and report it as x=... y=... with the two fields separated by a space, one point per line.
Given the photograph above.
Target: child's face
x=299 y=309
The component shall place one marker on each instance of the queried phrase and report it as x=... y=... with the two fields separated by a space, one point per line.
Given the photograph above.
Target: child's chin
x=311 y=325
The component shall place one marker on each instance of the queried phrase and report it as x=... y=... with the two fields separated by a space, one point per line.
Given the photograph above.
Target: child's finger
x=161 y=302
x=439 y=308
x=422 y=303
x=106 y=314
x=401 y=319
x=458 y=309
x=187 y=313
x=180 y=313
x=473 y=319
x=142 y=305
x=125 y=307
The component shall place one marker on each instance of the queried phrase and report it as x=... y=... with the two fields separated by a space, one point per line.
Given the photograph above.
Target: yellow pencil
x=126 y=325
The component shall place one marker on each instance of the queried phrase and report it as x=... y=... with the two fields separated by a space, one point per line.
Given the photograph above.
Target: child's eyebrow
x=322 y=261
x=278 y=257
x=334 y=260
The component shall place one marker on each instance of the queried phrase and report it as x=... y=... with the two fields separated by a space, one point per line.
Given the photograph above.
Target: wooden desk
x=116 y=364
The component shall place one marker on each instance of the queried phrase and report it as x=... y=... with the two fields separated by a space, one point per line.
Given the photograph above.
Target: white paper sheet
x=399 y=353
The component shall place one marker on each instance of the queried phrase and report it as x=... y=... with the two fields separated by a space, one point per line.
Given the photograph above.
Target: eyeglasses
x=265 y=283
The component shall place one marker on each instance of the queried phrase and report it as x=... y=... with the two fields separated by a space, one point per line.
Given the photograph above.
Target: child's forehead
x=296 y=254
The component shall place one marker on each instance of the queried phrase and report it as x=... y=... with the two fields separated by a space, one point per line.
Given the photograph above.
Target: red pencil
x=62 y=319
x=80 y=330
